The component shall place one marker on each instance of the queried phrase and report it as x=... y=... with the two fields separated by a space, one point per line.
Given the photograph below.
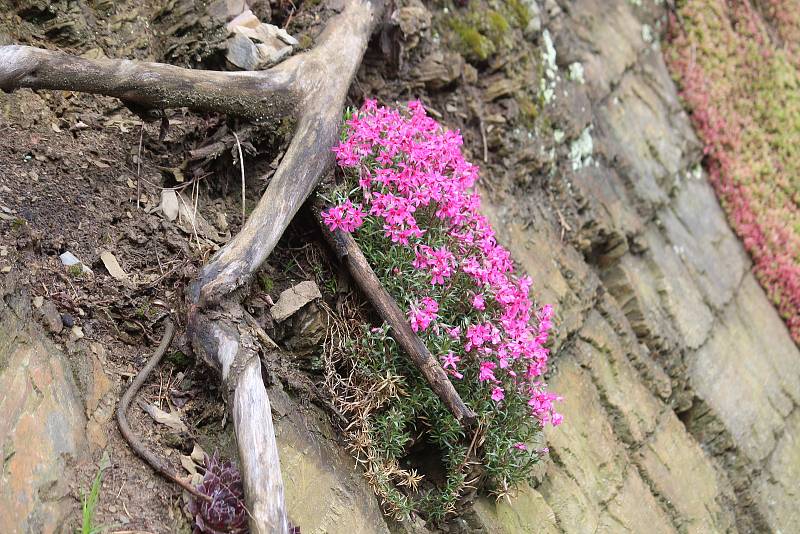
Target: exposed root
x=133 y=440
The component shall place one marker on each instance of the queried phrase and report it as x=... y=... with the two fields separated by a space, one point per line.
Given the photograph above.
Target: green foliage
x=265 y=282
x=75 y=271
x=473 y=44
x=416 y=415
x=90 y=504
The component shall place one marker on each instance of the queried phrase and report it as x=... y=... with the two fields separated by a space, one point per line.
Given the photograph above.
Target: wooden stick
x=261 y=95
x=349 y=252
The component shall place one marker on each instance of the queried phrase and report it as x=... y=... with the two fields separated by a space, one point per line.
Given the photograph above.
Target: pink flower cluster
x=347 y=216
x=412 y=171
x=421 y=317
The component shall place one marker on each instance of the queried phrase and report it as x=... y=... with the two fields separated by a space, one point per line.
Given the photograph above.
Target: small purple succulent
x=225 y=512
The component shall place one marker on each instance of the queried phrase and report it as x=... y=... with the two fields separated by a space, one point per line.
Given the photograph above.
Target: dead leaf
x=172 y=420
x=113 y=267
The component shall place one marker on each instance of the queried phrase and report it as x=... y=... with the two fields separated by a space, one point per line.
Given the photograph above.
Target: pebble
x=75 y=333
x=68 y=320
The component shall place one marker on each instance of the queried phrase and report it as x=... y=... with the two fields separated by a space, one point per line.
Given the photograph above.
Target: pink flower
x=487 y=372
x=521 y=446
x=347 y=216
x=421 y=317
x=416 y=189
x=450 y=360
x=498 y=394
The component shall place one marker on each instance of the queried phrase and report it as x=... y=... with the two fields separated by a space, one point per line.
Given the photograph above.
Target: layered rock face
x=41 y=424
x=681 y=381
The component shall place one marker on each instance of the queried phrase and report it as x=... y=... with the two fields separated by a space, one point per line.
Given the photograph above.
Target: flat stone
x=575 y=511
x=527 y=512
x=699 y=233
x=635 y=509
x=294 y=298
x=640 y=125
x=325 y=491
x=585 y=444
x=778 y=484
x=617 y=381
x=41 y=429
x=679 y=470
x=749 y=371
x=605 y=37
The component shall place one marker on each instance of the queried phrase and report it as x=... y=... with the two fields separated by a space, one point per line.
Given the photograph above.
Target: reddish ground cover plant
x=737 y=63
x=408 y=198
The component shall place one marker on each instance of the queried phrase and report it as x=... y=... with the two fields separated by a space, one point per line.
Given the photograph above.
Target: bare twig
x=122 y=419
x=241 y=166
x=139 y=168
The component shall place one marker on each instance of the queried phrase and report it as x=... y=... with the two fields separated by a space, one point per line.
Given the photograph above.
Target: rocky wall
x=681 y=382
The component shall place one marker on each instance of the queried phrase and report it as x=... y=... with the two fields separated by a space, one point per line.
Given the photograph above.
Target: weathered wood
x=217 y=148
x=350 y=253
x=326 y=74
x=224 y=341
x=263 y=95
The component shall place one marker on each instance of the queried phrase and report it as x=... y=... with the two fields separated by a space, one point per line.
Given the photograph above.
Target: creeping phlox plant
x=408 y=199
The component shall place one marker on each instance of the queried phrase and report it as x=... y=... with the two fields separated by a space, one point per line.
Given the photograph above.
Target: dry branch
x=348 y=251
x=258 y=95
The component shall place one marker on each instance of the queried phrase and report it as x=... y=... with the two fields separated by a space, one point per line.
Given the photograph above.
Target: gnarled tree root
x=311 y=87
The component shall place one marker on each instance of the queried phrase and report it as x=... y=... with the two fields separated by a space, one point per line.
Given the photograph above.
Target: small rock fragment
x=52 y=319
x=69 y=259
x=75 y=333
x=169 y=204
x=38 y=301
x=245 y=19
x=242 y=52
x=198 y=455
x=294 y=298
x=188 y=464
x=67 y=320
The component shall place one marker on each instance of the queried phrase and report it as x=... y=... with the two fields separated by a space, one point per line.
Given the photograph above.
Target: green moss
x=520 y=12
x=529 y=111
x=75 y=271
x=306 y=42
x=472 y=43
x=178 y=359
x=497 y=26
x=265 y=282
